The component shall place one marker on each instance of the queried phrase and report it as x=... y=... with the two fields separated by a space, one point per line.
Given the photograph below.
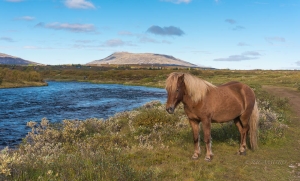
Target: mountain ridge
x=12 y=60
x=121 y=58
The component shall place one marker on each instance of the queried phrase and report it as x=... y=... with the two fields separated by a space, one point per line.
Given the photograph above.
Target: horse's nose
x=170 y=110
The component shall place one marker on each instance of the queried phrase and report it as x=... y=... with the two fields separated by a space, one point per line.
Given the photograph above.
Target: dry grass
x=144 y=144
x=149 y=144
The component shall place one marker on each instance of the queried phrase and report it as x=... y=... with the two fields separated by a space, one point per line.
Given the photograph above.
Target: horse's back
x=239 y=90
x=231 y=83
x=230 y=100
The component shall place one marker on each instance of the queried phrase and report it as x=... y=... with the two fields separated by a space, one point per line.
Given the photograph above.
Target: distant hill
x=121 y=58
x=11 y=60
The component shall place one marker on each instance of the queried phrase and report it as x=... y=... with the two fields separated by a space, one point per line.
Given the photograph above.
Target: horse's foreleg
x=196 y=136
x=206 y=125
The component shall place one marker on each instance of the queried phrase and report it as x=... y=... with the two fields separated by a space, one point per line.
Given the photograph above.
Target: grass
x=149 y=144
x=146 y=76
x=157 y=77
x=11 y=77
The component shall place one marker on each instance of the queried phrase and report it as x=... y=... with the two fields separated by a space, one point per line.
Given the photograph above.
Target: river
x=66 y=100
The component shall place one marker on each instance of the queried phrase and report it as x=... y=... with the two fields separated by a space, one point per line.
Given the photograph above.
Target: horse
x=206 y=103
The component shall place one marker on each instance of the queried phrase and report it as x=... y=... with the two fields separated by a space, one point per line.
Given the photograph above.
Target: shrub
x=118 y=148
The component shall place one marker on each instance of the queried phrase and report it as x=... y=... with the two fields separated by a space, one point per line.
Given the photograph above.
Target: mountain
x=11 y=60
x=120 y=58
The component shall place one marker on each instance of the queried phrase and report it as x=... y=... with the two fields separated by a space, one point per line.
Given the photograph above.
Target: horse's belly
x=225 y=117
x=221 y=120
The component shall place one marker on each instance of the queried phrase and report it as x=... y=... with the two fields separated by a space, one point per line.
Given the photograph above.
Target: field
x=11 y=77
x=149 y=144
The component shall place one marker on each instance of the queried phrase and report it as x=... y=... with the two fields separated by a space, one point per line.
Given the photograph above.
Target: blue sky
x=243 y=34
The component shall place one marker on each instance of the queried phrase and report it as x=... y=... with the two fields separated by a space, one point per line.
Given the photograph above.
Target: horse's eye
x=177 y=90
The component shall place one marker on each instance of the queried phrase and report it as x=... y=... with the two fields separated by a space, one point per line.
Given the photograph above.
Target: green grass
x=11 y=77
x=149 y=144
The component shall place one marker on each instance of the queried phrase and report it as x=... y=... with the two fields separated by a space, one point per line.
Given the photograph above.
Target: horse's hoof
x=195 y=156
x=243 y=153
x=207 y=159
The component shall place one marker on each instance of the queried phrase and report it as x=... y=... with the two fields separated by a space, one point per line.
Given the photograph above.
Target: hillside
x=11 y=60
x=121 y=58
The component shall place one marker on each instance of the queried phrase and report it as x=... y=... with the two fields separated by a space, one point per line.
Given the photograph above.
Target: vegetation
x=16 y=78
x=149 y=144
x=151 y=76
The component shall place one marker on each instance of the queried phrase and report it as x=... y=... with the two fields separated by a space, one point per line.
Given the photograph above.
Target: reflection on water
x=66 y=100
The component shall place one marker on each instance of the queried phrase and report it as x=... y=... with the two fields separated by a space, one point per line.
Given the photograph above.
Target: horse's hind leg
x=238 y=124
x=243 y=127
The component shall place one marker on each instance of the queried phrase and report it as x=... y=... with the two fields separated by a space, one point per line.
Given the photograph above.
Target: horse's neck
x=188 y=102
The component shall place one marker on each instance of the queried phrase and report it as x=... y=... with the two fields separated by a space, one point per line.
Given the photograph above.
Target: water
x=66 y=100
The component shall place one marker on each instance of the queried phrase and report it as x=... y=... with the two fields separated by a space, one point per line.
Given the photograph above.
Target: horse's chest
x=192 y=112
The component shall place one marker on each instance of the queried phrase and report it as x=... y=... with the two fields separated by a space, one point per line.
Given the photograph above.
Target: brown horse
x=206 y=103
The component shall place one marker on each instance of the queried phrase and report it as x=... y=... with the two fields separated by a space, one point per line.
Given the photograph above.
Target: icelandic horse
x=206 y=103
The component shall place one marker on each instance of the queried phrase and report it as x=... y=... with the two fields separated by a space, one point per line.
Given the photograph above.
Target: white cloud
x=84 y=41
x=125 y=33
x=31 y=47
x=14 y=1
x=275 y=39
x=79 y=4
x=165 y=31
x=250 y=55
x=178 y=1
x=25 y=18
x=242 y=44
x=69 y=27
x=230 y=21
x=298 y=63
x=166 y=42
x=145 y=39
x=7 y=39
x=237 y=28
x=114 y=43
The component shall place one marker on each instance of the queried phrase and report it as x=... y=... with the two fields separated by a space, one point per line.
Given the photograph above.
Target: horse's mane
x=195 y=87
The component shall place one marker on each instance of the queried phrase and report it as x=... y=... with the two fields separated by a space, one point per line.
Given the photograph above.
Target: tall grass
x=146 y=143
x=18 y=78
x=131 y=145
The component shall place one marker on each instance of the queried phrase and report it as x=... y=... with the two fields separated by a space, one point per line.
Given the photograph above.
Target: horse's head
x=175 y=89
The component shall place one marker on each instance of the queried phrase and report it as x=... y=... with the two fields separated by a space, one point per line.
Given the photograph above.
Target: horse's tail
x=254 y=127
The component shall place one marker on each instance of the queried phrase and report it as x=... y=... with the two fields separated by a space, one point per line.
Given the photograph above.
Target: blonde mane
x=195 y=87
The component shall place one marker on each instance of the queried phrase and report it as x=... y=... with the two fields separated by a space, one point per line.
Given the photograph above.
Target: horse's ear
x=181 y=78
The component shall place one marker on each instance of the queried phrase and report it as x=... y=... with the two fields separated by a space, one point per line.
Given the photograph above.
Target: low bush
x=96 y=149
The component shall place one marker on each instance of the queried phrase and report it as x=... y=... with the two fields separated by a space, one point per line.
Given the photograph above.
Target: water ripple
x=66 y=100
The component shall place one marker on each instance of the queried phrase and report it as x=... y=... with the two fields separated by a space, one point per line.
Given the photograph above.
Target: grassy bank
x=149 y=144
x=13 y=78
x=147 y=76
x=157 y=77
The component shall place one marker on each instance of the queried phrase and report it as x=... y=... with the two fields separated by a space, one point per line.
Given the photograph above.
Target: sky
x=222 y=34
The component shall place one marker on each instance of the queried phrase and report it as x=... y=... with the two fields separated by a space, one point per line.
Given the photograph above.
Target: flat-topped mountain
x=121 y=58
x=11 y=60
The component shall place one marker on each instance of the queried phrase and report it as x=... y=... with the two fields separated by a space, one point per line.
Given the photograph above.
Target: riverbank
x=66 y=100
x=149 y=144
x=6 y=85
x=144 y=143
x=19 y=76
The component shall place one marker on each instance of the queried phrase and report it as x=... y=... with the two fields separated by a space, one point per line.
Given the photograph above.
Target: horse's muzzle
x=170 y=110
